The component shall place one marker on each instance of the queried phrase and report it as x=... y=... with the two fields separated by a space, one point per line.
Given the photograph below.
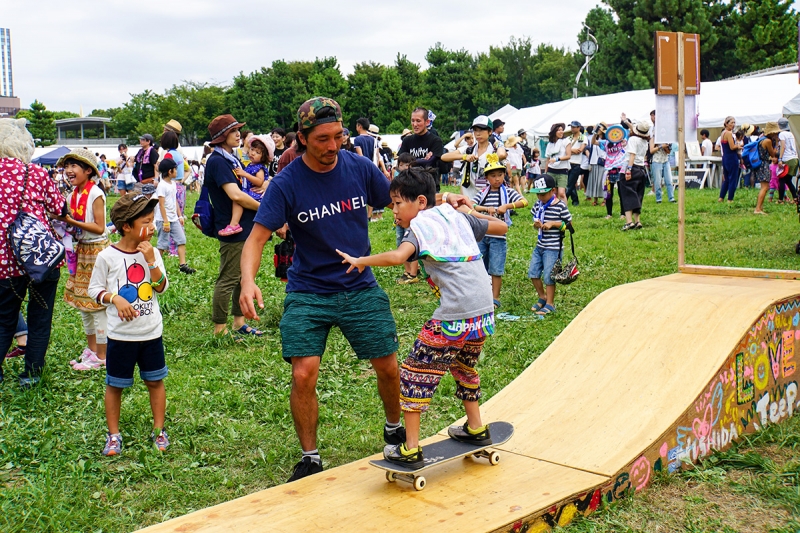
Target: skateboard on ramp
x=445 y=451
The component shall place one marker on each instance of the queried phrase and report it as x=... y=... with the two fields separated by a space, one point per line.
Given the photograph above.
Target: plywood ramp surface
x=606 y=389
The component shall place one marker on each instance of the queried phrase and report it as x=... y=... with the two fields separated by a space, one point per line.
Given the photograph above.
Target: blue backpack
x=750 y=156
x=203 y=216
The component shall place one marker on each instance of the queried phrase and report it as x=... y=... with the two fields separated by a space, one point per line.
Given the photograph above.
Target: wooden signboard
x=666 y=64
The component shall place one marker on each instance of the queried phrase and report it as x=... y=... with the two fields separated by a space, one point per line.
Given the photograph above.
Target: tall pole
x=681 y=155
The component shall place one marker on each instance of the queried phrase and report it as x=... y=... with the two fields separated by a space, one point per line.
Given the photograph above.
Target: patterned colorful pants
x=431 y=357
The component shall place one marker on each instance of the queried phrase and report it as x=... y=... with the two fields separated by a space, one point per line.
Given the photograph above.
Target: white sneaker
x=84 y=356
x=91 y=363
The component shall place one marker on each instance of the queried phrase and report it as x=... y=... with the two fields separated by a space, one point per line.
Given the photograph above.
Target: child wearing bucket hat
x=497 y=200
x=87 y=221
x=551 y=217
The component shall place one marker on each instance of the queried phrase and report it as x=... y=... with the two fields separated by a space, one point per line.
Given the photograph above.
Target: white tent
x=751 y=100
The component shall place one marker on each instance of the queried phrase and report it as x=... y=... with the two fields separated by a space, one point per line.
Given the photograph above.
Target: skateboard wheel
x=390 y=477
x=494 y=458
x=419 y=483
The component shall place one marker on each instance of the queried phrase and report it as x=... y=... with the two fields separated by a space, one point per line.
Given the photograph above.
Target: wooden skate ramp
x=648 y=375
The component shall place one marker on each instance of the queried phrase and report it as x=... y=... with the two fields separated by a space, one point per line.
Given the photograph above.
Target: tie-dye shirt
x=465 y=295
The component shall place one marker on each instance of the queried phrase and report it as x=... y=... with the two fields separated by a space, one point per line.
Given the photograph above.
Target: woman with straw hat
x=767 y=149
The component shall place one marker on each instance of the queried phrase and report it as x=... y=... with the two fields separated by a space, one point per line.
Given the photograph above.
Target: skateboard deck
x=444 y=451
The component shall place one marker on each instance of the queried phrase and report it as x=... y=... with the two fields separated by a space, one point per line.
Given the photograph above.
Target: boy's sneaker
x=186 y=269
x=16 y=352
x=161 y=440
x=398 y=436
x=407 y=279
x=306 y=467
x=397 y=453
x=84 y=356
x=90 y=363
x=464 y=434
x=113 y=444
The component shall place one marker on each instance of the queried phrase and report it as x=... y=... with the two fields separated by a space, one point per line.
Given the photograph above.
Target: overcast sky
x=91 y=54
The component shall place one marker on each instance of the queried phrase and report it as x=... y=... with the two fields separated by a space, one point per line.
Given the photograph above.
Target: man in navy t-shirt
x=323 y=195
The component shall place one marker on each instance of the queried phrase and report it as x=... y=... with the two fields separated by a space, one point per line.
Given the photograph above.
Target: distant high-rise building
x=7 y=81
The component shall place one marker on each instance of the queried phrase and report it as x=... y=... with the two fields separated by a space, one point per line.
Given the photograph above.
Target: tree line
x=736 y=36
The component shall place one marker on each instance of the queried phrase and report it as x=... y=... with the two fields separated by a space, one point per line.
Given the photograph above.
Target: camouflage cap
x=307 y=114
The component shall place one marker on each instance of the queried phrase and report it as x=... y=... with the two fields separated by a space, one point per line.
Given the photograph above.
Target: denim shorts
x=122 y=186
x=175 y=231
x=123 y=356
x=542 y=262
x=494 y=255
x=363 y=316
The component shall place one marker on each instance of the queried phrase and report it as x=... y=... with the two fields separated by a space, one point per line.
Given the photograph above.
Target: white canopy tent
x=751 y=100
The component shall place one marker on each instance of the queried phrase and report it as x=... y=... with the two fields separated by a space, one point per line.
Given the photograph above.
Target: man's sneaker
x=90 y=363
x=16 y=352
x=397 y=453
x=161 y=440
x=186 y=269
x=463 y=434
x=407 y=279
x=113 y=445
x=398 y=436
x=305 y=467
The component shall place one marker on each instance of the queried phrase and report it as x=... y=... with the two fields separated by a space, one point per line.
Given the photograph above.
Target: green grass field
x=228 y=404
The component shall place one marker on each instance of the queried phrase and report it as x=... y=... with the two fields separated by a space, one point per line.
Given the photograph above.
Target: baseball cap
x=166 y=165
x=482 y=121
x=147 y=137
x=130 y=206
x=783 y=124
x=574 y=124
x=544 y=183
x=307 y=113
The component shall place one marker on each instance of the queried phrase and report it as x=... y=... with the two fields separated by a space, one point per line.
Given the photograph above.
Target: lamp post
x=588 y=49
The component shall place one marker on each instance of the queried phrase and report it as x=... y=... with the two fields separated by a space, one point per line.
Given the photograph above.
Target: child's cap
x=166 y=165
x=82 y=155
x=130 y=206
x=493 y=163
x=544 y=183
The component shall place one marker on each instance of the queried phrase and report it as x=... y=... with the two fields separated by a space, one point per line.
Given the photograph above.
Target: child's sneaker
x=397 y=453
x=84 y=356
x=465 y=434
x=113 y=444
x=161 y=440
x=186 y=269
x=407 y=279
x=229 y=230
x=91 y=362
x=16 y=352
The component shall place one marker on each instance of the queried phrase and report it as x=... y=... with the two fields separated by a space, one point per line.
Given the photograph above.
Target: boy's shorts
x=363 y=316
x=542 y=262
x=175 y=231
x=431 y=357
x=494 y=252
x=400 y=232
x=123 y=356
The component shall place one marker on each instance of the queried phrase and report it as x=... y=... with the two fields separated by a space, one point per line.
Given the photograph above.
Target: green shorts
x=363 y=316
x=561 y=180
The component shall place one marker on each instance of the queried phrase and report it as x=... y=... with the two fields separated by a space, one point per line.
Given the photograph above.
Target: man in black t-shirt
x=279 y=136
x=426 y=147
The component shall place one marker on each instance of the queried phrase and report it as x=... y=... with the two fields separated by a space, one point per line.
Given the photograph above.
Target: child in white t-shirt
x=127 y=278
x=167 y=219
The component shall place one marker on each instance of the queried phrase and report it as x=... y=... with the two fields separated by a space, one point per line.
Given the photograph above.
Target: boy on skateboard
x=446 y=244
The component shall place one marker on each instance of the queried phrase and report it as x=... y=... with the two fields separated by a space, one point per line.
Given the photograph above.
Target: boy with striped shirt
x=550 y=218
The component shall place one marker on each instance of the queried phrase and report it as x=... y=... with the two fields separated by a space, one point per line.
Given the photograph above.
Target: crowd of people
x=318 y=189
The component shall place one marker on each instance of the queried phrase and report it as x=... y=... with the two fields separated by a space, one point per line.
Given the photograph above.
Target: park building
x=9 y=103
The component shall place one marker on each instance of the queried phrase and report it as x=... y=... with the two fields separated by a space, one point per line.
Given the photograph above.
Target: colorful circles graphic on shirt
x=129 y=292
x=616 y=133
x=145 y=292
x=135 y=273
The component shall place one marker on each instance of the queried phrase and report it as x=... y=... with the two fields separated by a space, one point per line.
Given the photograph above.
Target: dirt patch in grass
x=674 y=505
